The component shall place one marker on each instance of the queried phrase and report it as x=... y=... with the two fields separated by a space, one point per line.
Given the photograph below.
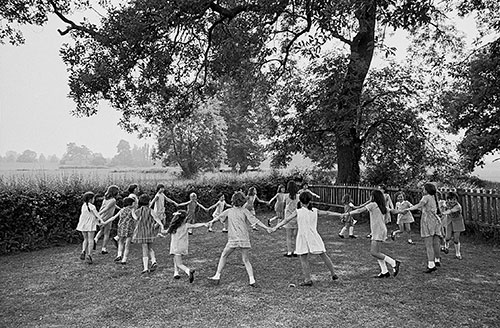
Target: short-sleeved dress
x=179 y=241
x=191 y=211
x=88 y=219
x=238 y=219
x=404 y=218
x=290 y=209
x=126 y=225
x=110 y=211
x=430 y=223
x=308 y=238
x=279 y=207
x=145 y=231
x=377 y=222
x=456 y=220
x=250 y=204
x=159 y=208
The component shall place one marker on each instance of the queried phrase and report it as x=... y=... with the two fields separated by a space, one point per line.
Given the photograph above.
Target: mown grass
x=53 y=288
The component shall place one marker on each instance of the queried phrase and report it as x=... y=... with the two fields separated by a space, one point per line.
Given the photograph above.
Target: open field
x=53 y=288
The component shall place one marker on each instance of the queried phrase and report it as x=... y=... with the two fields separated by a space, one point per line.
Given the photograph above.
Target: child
x=308 y=239
x=455 y=223
x=158 y=203
x=133 y=191
x=179 y=242
x=106 y=211
x=378 y=211
x=291 y=202
x=219 y=208
x=126 y=227
x=238 y=235
x=279 y=207
x=430 y=225
x=144 y=232
x=388 y=203
x=305 y=188
x=87 y=225
x=404 y=220
x=349 y=221
x=250 y=204
x=192 y=205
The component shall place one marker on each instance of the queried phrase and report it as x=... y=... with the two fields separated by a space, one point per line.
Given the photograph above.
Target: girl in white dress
x=308 y=239
x=378 y=211
x=279 y=207
x=404 y=220
x=219 y=208
x=87 y=225
x=179 y=242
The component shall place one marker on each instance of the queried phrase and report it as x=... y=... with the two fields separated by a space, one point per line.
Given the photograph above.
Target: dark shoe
x=118 y=259
x=306 y=283
x=430 y=270
x=255 y=229
x=341 y=236
x=438 y=264
x=145 y=271
x=294 y=255
x=154 y=266
x=335 y=277
x=411 y=242
x=459 y=257
x=253 y=285
x=190 y=233
x=396 y=268
x=89 y=259
x=104 y=252
x=369 y=235
x=287 y=255
x=393 y=237
x=82 y=256
x=177 y=276
x=383 y=275
x=446 y=250
x=191 y=276
x=352 y=236
x=123 y=263
x=216 y=281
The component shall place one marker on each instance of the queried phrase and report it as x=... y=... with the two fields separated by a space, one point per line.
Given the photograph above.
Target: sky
x=35 y=110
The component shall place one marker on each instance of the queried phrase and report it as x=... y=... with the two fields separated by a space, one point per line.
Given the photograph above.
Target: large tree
x=145 y=52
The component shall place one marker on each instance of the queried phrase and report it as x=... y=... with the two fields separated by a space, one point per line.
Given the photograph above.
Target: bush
x=41 y=211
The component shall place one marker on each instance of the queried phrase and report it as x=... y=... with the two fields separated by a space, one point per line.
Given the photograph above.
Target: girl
x=179 y=242
x=388 y=203
x=430 y=225
x=291 y=202
x=126 y=227
x=106 y=211
x=133 y=191
x=349 y=221
x=144 y=232
x=305 y=188
x=404 y=220
x=279 y=207
x=238 y=236
x=87 y=224
x=455 y=223
x=378 y=211
x=192 y=205
x=219 y=208
x=158 y=203
x=250 y=203
x=308 y=239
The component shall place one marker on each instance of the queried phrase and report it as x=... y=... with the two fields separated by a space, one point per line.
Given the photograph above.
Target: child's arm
x=330 y=213
x=221 y=217
x=285 y=221
x=134 y=216
x=456 y=208
x=213 y=206
x=108 y=206
x=197 y=225
x=420 y=204
x=182 y=204
x=261 y=201
x=97 y=215
x=272 y=199
x=357 y=211
x=111 y=219
x=171 y=201
x=155 y=198
x=254 y=221
x=313 y=194
x=203 y=207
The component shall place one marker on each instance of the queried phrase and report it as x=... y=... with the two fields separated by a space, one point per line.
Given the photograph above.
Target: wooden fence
x=478 y=206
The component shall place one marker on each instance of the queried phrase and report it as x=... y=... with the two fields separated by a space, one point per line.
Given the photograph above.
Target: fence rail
x=478 y=206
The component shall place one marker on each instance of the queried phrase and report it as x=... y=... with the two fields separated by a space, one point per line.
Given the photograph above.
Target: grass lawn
x=53 y=288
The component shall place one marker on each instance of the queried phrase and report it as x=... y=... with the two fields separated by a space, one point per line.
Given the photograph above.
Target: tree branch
x=72 y=25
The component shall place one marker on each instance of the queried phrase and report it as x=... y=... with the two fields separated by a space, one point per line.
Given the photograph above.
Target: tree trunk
x=348 y=142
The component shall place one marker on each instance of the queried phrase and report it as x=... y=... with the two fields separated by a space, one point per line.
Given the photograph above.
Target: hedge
x=39 y=212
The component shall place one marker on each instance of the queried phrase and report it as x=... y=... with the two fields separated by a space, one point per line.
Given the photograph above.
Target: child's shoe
x=446 y=250
x=459 y=257
x=341 y=236
x=352 y=236
x=224 y=230
x=118 y=259
x=82 y=256
x=411 y=242
x=89 y=259
x=154 y=266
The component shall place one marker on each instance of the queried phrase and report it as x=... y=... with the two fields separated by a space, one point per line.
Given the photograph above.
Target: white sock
x=251 y=280
x=457 y=249
x=389 y=260
x=351 y=231
x=216 y=276
x=436 y=260
x=152 y=256
x=383 y=266
x=145 y=262
x=431 y=264
x=342 y=232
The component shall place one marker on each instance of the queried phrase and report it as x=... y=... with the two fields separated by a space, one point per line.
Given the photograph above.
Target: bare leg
x=222 y=261
x=289 y=241
x=145 y=252
x=306 y=268
x=248 y=266
x=178 y=263
x=120 y=247
x=126 y=249
x=85 y=242
x=329 y=263
x=107 y=230
x=90 y=246
x=436 y=240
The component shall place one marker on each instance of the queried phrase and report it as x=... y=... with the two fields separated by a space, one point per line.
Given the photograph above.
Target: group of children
x=142 y=219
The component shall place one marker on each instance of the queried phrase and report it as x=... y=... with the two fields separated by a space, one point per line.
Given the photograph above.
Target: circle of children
x=142 y=219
